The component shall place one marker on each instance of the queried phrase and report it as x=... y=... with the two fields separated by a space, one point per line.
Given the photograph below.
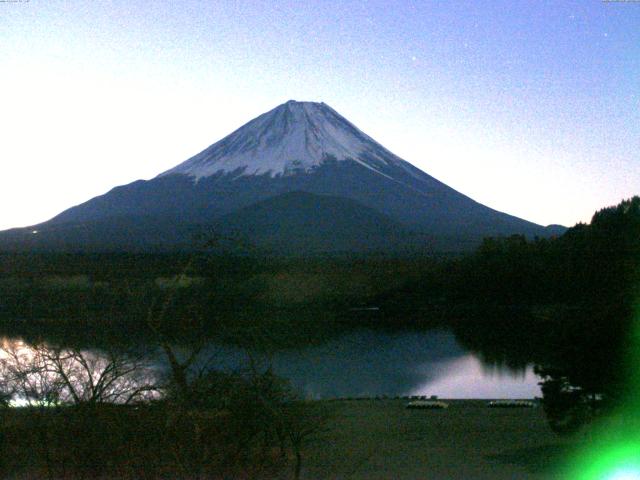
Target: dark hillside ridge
x=320 y=224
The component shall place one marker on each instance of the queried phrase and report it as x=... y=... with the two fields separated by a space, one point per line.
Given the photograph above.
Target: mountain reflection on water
x=367 y=362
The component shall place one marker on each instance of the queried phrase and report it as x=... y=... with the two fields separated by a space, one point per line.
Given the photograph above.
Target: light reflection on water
x=367 y=363
x=373 y=363
x=467 y=377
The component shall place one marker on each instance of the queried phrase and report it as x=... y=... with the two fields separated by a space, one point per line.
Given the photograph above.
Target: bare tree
x=49 y=375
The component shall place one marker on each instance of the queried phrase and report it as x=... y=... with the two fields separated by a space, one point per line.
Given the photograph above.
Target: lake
x=370 y=362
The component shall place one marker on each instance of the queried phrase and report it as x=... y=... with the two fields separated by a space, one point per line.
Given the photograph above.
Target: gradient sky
x=530 y=107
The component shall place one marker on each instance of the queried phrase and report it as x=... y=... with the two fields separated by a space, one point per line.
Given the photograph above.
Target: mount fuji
x=297 y=179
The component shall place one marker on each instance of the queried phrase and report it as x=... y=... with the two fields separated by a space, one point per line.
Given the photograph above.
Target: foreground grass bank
x=360 y=439
x=381 y=439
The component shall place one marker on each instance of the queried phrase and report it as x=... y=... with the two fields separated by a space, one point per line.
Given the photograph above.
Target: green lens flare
x=614 y=454
x=620 y=462
x=633 y=474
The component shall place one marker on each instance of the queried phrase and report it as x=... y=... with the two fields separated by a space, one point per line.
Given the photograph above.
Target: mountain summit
x=292 y=138
x=297 y=179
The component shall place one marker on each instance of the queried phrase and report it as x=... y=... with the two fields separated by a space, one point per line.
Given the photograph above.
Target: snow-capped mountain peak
x=293 y=137
x=300 y=178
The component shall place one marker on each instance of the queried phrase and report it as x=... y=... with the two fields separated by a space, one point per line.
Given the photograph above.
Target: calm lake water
x=366 y=363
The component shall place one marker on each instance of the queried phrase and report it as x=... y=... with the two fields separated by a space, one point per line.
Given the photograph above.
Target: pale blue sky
x=530 y=107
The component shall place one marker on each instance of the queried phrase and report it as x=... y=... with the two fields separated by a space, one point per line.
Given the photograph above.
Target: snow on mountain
x=292 y=138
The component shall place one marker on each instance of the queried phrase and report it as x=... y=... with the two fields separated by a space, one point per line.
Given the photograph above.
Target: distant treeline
x=196 y=291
